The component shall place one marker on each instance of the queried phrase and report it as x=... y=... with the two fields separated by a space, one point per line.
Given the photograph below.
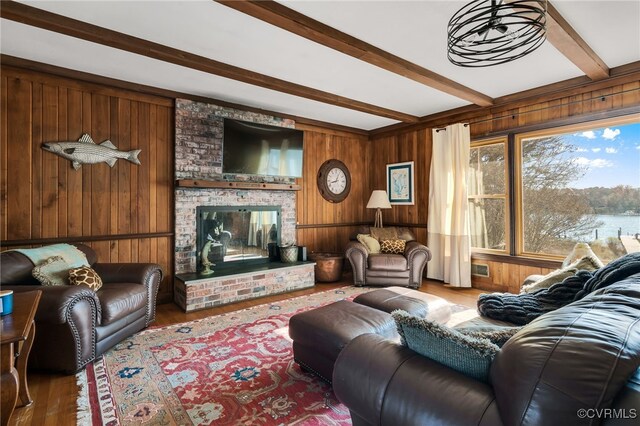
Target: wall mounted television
x=259 y=149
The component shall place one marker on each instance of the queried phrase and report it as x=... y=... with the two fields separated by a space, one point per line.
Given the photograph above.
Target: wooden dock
x=631 y=245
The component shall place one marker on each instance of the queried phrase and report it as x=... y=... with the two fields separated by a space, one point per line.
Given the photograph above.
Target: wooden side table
x=18 y=331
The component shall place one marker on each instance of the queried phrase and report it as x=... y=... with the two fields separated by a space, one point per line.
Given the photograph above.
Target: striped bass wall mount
x=86 y=151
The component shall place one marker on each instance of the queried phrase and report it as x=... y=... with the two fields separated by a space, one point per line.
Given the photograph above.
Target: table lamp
x=378 y=200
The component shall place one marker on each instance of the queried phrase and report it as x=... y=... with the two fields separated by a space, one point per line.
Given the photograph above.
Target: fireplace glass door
x=231 y=234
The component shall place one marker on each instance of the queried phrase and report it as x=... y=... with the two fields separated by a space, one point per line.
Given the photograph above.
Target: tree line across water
x=612 y=201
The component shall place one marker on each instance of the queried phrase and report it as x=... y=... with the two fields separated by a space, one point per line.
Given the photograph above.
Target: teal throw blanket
x=71 y=254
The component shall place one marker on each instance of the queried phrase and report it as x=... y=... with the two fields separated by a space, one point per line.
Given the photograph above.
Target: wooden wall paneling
x=576 y=106
x=114 y=172
x=144 y=191
x=505 y=274
x=312 y=209
x=484 y=125
x=144 y=253
x=426 y=150
x=74 y=178
x=49 y=162
x=133 y=182
x=86 y=171
x=163 y=173
x=631 y=95
x=616 y=97
x=559 y=107
x=100 y=173
x=153 y=193
x=165 y=198
x=3 y=157
x=125 y=170
x=36 y=161
x=63 y=165
x=144 y=171
x=103 y=250
x=413 y=146
x=44 y=197
x=18 y=137
x=505 y=277
x=38 y=72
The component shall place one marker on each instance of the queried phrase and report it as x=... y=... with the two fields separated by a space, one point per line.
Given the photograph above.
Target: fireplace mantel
x=193 y=183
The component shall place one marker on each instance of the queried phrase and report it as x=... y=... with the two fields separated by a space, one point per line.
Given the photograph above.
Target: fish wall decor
x=86 y=151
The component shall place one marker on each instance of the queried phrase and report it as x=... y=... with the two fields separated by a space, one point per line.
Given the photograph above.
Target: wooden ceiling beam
x=39 y=18
x=288 y=19
x=564 y=38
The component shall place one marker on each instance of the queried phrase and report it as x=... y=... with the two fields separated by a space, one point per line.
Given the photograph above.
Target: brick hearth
x=204 y=293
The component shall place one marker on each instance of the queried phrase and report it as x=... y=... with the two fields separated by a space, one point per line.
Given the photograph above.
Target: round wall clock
x=334 y=181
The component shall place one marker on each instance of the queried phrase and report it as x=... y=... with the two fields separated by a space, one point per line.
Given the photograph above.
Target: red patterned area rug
x=229 y=369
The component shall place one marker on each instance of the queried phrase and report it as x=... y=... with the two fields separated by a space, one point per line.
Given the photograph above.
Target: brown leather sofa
x=388 y=269
x=76 y=325
x=557 y=370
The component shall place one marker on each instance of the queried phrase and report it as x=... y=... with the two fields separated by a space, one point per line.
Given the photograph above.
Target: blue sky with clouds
x=611 y=154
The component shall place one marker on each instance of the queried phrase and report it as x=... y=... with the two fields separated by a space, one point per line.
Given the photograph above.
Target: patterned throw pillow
x=392 y=246
x=85 y=276
x=53 y=271
x=371 y=244
x=468 y=355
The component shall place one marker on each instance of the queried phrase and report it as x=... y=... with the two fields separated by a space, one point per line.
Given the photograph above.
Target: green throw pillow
x=371 y=244
x=464 y=353
x=498 y=336
x=53 y=271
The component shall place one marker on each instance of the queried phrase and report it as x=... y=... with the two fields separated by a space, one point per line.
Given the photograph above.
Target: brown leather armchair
x=76 y=325
x=388 y=269
x=565 y=368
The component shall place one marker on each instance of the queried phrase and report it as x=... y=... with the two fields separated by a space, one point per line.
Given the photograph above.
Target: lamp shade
x=379 y=200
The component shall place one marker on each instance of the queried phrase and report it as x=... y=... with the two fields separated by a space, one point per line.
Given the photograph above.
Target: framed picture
x=400 y=185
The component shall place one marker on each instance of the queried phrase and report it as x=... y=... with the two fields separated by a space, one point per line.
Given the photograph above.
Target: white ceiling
x=413 y=30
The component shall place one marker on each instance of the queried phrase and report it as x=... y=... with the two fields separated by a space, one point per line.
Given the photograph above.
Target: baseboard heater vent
x=479 y=270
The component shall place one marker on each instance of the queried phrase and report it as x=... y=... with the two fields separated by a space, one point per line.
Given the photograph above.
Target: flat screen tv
x=259 y=149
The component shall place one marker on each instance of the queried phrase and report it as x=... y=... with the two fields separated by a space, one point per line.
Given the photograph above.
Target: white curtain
x=261 y=221
x=449 y=236
x=477 y=218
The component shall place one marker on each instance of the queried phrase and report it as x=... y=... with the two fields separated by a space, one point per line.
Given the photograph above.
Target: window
x=488 y=201
x=579 y=184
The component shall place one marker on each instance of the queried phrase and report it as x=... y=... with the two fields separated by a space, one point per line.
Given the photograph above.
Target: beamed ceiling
x=361 y=64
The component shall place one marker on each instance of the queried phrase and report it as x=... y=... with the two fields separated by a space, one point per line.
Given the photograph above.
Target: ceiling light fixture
x=485 y=33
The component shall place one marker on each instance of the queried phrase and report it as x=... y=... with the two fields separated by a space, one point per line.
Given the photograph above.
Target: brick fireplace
x=199 y=145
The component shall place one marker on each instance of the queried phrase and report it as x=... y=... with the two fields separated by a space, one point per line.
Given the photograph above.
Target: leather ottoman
x=320 y=334
x=414 y=302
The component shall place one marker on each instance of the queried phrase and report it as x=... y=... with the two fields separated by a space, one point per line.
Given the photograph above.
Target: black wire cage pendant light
x=485 y=33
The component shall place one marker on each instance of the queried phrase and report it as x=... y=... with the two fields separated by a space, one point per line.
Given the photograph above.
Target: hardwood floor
x=55 y=395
